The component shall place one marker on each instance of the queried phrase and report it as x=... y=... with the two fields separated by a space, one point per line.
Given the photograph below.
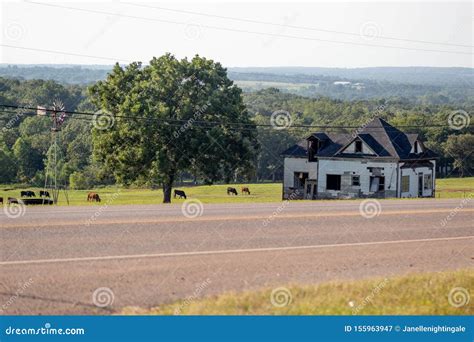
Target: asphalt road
x=53 y=259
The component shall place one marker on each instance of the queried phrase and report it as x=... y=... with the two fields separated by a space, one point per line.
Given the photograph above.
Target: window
x=405 y=183
x=428 y=182
x=415 y=147
x=358 y=146
x=333 y=182
x=300 y=179
x=355 y=180
x=377 y=184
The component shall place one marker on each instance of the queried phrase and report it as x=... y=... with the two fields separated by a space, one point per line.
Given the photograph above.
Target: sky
x=239 y=34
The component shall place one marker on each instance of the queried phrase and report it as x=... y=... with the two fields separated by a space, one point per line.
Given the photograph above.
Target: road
x=53 y=259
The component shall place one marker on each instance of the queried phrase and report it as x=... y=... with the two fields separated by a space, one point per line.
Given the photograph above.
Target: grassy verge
x=418 y=294
x=268 y=192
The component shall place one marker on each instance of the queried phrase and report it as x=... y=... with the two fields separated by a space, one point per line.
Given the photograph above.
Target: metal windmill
x=58 y=116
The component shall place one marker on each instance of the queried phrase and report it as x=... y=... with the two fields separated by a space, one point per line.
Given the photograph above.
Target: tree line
x=159 y=134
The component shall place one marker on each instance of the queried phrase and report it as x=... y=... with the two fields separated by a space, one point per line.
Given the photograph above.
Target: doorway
x=310 y=189
x=420 y=185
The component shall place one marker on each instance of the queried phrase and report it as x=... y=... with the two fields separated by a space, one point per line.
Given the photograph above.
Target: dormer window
x=358 y=146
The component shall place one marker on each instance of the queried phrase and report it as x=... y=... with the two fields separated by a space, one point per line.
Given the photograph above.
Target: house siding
x=413 y=173
x=346 y=169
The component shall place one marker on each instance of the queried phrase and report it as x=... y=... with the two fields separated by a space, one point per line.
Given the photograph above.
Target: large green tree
x=459 y=147
x=171 y=116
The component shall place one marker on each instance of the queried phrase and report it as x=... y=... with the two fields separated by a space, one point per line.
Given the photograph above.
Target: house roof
x=384 y=139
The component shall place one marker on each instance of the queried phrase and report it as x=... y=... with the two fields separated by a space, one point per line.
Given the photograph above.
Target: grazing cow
x=12 y=200
x=44 y=193
x=179 y=193
x=93 y=197
x=231 y=190
x=245 y=189
x=27 y=193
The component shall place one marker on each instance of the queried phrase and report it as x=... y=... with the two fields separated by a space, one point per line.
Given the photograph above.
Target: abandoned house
x=377 y=161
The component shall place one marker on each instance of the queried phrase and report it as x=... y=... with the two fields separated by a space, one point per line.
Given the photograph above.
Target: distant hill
x=414 y=84
x=410 y=75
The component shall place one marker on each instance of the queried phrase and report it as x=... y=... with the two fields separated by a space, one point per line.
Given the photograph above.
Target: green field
x=418 y=294
x=266 y=192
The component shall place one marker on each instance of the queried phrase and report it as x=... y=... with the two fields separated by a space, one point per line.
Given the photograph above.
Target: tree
x=459 y=147
x=28 y=159
x=169 y=106
x=7 y=166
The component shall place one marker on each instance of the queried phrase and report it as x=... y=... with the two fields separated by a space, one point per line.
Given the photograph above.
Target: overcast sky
x=318 y=34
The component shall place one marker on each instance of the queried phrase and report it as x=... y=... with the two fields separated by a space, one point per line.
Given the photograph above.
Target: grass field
x=268 y=192
x=420 y=294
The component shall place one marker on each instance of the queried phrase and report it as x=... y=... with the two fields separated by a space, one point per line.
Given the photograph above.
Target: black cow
x=44 y=193
x=180 y=193
x=231 y=190
x=27 y=193
x=1 y=200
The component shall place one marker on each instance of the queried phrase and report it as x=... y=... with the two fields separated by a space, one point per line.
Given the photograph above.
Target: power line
x=64 y=53
x=248 y=31
x=246 y=20
x=181 y=122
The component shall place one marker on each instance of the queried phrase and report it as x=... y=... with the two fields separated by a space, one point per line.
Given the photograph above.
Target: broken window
x=333 y=182
x=300 y=179
x=377 y=184
x=428 y=182
x=358 y=146
x=405 y=183
x=355 y=180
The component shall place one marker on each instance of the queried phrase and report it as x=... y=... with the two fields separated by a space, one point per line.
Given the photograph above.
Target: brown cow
x=93 y=197
x=231 y=190
x=245 y=189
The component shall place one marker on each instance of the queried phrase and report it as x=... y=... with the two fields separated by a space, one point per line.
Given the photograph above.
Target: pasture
x=262 y=192
x=413 y=294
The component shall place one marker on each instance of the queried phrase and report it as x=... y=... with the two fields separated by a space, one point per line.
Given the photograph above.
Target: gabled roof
x=384 y=139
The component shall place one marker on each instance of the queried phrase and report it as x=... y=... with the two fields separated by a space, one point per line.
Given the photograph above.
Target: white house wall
x=292 y=165
x=347 y=169
x=365 y=149
x=413 y=187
